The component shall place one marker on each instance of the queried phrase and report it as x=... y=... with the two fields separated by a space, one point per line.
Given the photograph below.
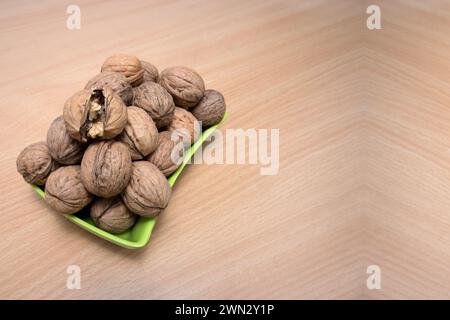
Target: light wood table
x=407 y=149
x=364 y=176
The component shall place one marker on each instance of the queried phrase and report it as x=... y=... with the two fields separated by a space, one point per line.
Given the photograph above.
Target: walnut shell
x=128 y=65
x=35 y=163
x=111 y=214
x=168 y=155
x=64 y=191
x=95 y=114
x=106 y=168
x=148 y=192
x=150 y=71
x=185 y=125
x=140 y=134
x=210 y=109
x=184 y=84
x=156 y=101
x=116 y=81
x=62 y=147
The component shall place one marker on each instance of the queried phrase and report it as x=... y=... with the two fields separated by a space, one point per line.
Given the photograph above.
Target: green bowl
x=139 y=235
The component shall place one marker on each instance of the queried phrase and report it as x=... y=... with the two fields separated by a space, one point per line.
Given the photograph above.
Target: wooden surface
x=364 y=123
x=407 y=154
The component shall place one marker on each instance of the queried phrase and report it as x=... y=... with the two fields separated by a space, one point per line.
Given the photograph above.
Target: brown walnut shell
x=95 y=114
x=156 y=101
x=116 y=81
x=210 y=109
x=62 y=147
x=151 y=73
x=185 y=125
x=184 y=84
x=64 y=191
x=148 y=192
x=140 y=134
x=35 y=163
x=106 y=168
x=111 y=215
x=128 y=65
x=168 y=155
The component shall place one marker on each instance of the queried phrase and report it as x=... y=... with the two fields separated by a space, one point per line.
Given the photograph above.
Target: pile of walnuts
x=114 y=145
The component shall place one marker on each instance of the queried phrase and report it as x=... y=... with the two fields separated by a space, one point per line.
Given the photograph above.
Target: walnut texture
x=185 y=125
x=210 y=109
x=95 y=114
x=184 y=84
x=116 y=81
x=106 y=168
x=140 y=133
x=62 y=147
x=148 y=192
x=35 y=163
x=128 y=65
x=158 y=103
x=64 y=191
x=111 y=215
x=150 y=72
x=168 y=155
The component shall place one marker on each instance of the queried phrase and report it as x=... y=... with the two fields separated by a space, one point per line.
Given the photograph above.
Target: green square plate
x=139 y=235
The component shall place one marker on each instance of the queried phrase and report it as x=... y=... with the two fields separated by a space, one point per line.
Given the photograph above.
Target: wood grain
x=408 y=144
x=364 y=147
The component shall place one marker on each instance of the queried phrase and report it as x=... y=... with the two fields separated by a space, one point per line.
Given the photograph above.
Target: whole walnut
x=185 y=125
x=140 y=134
x=116 y=81
x=184 y=84
x=128 y=65
x=210 y=109
x=148 y=192
x=168 y=155
x=95 y=114
x=62 y=147
x=111 y=214
x=35 y=163
x=150 y=71
x=106 y=168
x=64 y=191
x=156 y=101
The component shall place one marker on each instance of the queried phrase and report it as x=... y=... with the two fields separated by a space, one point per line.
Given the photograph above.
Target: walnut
x=64 y=191
x=184 y=84
x=185 y=125
x=35 y=163
x=150 y=72
x=128 y=65
x=106 y=168
x=156 y=101
x=95 y=114
x=210 y=109
x=148 y=192
x=62 y=147
x=111 y=214
x=116 y=81
x=140 y=134
x=168 y=155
